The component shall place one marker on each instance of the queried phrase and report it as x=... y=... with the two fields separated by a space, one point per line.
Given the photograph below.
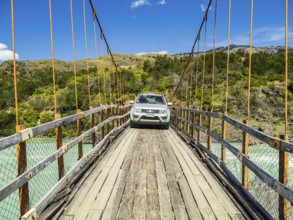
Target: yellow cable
x=214 y=56
x=250 y=63
x=197 y=67
x=187 y=88
x=286 y=73
x=86 y=50
x=96 y=48
x=104 y=75
x=204 y=65
x=14 y=65
x=53 y=62
x=228 y=58
x=73 y=54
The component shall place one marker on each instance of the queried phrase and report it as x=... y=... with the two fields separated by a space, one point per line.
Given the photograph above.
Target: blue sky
x=137 y=26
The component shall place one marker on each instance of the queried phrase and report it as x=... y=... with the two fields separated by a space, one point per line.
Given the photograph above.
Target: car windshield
x=151 y=99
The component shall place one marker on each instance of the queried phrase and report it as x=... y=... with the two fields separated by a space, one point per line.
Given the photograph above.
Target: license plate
x=150 y=115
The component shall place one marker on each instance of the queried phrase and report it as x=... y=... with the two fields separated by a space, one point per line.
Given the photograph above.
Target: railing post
x=78 y=125
x=191 y=126
x=107 y=116
x=283 y=178
x=59 y=145
x=185 y=118
x=118 y=114
x=245 y=152
x=112 y=114
x=224 y=133
x=199 y=123
x=102 y=119
x=24 y=199
x=92 y=124
x=209 y=137
x=177 y=117
x=188 y=119
x=180 y=118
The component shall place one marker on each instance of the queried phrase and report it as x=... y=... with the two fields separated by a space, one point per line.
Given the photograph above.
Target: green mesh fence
x=234 y=137
x=261 y=154
x=38 y=149
x=9 y=207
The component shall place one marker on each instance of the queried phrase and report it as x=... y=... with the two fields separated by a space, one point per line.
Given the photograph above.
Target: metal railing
x=261 y=165
x=38 y=163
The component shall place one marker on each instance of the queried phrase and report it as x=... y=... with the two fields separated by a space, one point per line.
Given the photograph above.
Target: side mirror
x=131 y=102
x=170 y=104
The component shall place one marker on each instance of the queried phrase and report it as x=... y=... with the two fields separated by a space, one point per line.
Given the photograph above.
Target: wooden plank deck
x=150 y=174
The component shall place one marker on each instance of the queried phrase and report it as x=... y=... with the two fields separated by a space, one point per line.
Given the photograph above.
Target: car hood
x=150 y=106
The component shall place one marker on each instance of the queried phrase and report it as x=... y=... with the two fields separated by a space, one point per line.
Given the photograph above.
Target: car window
x=151 y=99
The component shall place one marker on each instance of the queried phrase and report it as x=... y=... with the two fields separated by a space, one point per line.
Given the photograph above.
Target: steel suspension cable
x=73 y=54
x=204 y=65
x=250 y=62
x=86 y=51
x=228 y=58
x=190 y=55
x=104 y=37
x=14 y=65
x=214 y=56
x=110 y=84
x=97 y=66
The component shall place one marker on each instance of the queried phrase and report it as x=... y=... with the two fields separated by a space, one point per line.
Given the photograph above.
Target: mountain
x=235 y=48
x=122 y=60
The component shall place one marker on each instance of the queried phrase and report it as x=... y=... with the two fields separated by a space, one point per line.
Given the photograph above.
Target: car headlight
x=137 y=110
x=163 y=111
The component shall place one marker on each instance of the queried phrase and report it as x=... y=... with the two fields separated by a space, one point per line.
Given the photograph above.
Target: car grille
x=150 y=118
x=150 y=111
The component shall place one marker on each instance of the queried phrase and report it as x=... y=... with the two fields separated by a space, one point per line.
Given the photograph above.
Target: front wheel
x=132 y=124
x=166 y=126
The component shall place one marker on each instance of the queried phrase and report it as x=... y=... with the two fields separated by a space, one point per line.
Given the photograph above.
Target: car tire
x=132 y=124
x=166 y=126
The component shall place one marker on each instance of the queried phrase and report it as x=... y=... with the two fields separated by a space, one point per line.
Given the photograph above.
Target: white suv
x=150 y=109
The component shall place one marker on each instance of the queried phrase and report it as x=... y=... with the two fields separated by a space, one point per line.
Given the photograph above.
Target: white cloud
x=6 y=54
x=265 y=36
x=162 y=2
x=139 y=3
x=204 y=8
x=163 y=52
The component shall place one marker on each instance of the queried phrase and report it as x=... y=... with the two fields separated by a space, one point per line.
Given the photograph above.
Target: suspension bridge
x=111 y=171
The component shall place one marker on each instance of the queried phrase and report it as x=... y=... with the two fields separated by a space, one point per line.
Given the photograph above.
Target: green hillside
x=149 y=73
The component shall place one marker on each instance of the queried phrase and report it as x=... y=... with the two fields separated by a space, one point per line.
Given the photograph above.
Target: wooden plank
x=125 y=210
x=81 y=211
x=203 y=205
x=82 y=193
x=66 y=217
x=94 y=214
x=104 y=195
x=166 y=211
x=152 y=189
x=175 y=195
x=191 y=206
x=139 y=205
x=112 y=207
x=234 y=212
x=116 y=195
